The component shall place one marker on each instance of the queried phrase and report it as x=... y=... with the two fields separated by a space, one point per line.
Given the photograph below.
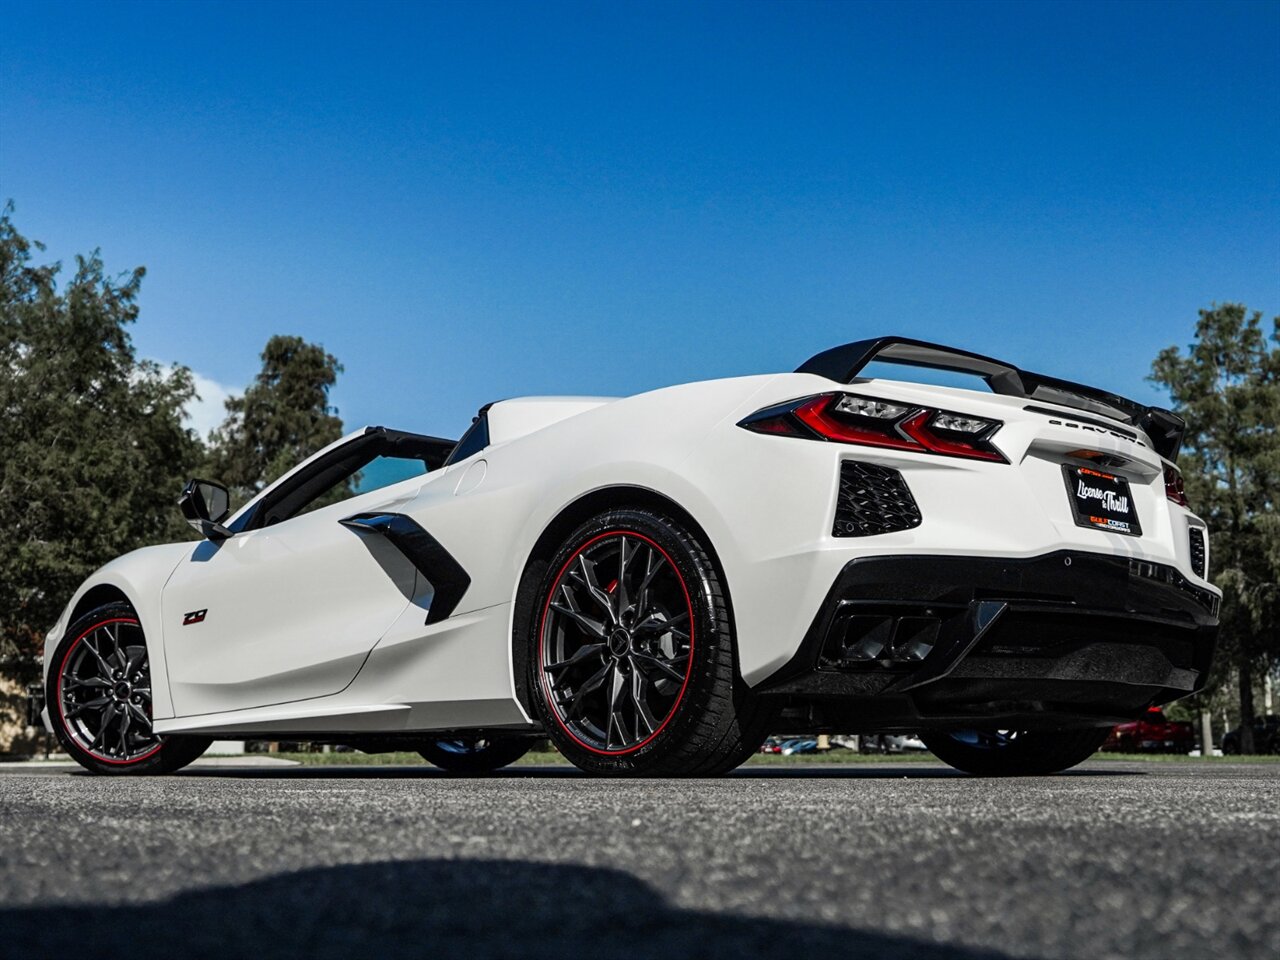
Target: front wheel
x=632 y=659
x=1014 y=753
x=99 y=696
x=474 y=754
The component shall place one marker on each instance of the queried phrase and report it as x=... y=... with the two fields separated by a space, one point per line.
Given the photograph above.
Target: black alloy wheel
x=99 y=698
x=474 y=754
x=632 y=665
x=1014 y=753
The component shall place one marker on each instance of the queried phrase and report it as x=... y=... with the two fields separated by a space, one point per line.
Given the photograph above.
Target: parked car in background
x=1152 y=733
x=804 y=745
x=892 y=743
x=1266 y=736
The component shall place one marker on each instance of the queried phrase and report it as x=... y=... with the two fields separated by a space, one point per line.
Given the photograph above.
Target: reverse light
x=949 y=421
x=865 y=407
x=1174 y=488
x=846 y=418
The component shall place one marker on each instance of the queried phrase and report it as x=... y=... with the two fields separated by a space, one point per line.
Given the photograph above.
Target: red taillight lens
x=1173 y=487
x=846 y=418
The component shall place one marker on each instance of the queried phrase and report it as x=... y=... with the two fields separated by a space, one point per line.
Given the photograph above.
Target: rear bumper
x=905 y=642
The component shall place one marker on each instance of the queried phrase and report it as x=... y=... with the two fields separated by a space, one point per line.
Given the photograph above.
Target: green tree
x=93 y=450
x=283 y=417
x=1227 y=387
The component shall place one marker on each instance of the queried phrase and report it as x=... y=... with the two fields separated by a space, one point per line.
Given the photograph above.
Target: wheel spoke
x=651 y=568
x=586 y=571
x=137 y=656
x=577 y=699
x=623 y=597
x=126 y=721
x=593 y=627
x=97 y=656
x=584 y=652
x=74 y=683
x=639 y=689
x=661 y=665
x=80 y=708
x=616 y=683
x=654 y=622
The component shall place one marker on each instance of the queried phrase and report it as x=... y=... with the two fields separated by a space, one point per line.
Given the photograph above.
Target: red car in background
x=1153 y=733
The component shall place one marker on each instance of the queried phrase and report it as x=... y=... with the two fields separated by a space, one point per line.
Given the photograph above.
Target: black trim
x=1103 y=632
x=843 y=364
x=449 y=581
x=343 y=461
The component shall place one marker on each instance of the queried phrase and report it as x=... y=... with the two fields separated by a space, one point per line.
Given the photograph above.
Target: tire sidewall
x=670 y=538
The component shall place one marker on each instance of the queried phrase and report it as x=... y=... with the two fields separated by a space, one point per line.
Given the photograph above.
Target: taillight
x=1173 y=487
x=846 y=418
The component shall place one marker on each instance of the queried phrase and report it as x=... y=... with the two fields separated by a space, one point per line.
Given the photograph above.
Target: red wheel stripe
x=542 y=633
x=62 y=717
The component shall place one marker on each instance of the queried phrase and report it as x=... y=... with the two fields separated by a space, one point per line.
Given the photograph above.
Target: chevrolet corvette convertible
x=898 y=536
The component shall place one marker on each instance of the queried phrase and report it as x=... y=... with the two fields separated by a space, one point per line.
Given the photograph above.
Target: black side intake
x=1196 y=538
x=873 y=499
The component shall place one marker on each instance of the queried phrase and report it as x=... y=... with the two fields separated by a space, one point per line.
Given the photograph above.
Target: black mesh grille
x=1196 y=536
x=873 y=499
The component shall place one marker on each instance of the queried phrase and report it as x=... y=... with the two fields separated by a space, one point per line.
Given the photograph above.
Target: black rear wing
x=843 y=364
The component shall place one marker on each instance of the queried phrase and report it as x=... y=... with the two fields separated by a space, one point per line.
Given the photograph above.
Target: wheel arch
x=99 y=595
x=573 y=514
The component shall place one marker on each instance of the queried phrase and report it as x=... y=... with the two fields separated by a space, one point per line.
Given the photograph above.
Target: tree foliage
x=283 y=417
x=93 y=450
x=1227 y=387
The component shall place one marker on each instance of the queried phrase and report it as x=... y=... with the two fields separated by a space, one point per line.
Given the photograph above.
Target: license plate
x=1101 y=500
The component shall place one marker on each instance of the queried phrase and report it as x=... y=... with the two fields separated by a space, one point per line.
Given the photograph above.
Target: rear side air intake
x=1195 y=537
x=872 y=500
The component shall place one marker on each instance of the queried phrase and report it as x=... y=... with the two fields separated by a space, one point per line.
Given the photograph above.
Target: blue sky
x=470 y=201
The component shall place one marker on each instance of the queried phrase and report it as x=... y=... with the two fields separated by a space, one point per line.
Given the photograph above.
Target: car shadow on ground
x=877 y=771
x=438 y=908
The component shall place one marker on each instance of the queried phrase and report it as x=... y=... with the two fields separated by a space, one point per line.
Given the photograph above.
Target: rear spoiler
x=843 y=364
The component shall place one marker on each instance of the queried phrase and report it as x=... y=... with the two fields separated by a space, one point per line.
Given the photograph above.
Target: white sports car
x=658 y=582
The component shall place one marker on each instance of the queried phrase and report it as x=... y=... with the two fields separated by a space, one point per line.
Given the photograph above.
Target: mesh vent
x=1196 y=538
x=872 y=500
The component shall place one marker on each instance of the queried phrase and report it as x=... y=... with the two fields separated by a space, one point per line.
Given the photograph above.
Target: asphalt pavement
x=1160 y=860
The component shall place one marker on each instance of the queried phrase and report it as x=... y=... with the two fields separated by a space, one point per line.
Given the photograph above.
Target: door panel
x=292 y=609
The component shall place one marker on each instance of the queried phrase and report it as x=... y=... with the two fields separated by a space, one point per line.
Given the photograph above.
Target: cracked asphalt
x=1113 y=859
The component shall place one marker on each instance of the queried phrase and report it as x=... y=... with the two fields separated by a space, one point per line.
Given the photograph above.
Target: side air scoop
x=449 y=581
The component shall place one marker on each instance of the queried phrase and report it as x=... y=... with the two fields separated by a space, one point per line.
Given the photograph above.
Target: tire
x=1016 y=753
x=474 y=755
x=98 y=693
x=632 y=672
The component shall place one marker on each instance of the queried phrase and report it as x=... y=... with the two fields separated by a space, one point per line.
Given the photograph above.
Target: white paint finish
x=293 y=609
x=361 y=648
x=519 y=417
x=472 y=478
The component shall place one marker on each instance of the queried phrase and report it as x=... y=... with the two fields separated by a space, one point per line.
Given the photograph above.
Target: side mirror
x=206 y=504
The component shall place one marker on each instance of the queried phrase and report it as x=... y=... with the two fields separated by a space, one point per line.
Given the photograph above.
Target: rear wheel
x=99 y=697
x=474 y=754
x=1014 y=753
x=632 y=665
